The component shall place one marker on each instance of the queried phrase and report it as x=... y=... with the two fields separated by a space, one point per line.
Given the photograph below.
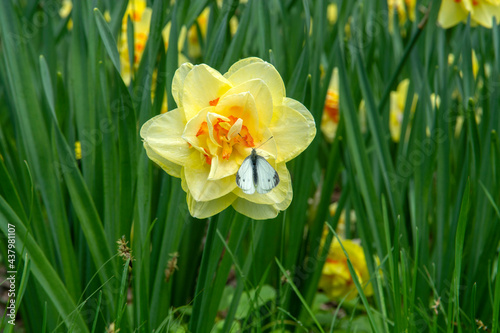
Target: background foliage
x=427 y=206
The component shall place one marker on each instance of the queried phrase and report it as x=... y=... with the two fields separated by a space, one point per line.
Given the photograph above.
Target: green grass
x=427 y=208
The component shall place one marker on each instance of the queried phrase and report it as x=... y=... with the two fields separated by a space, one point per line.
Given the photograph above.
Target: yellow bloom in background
x=475 y=64
x=331 y=116
x=347 y=28
x=410 y=7
x=397 y=109
x=194 y=47
x=219 y=119
x=405 y=10
x=78 y=150
x=140 y=16
x=332 y=13
x=65 y=10
x=336 y=280
x=482 y=12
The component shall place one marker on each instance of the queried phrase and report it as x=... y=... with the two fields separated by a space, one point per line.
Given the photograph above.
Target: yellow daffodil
x=482 y=12
x=219 y=119
x=410 y=7
x=336 y=280
x=397 y=109
x=331 y=116
x=140 y=16
x=65 y=10
x=194 y=48
x=405 y=10
x=475 y=64
x=78 y=150
x=332 y=13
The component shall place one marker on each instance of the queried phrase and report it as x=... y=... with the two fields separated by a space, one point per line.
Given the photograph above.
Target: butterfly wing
x=244 y=176
x=267 y=177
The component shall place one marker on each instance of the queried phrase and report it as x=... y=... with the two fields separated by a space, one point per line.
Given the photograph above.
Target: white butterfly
x=256 y=173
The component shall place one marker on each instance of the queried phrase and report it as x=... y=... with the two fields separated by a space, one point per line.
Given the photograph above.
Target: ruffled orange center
x=224 y=132
x=332 y=105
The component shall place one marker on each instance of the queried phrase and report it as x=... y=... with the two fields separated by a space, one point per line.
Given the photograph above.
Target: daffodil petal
x=283 y=205
x=202 y=86
x=162 y=135
x=402 y=91
x=483 y=14
x=266 y=147
x=328 y=127
x=334 y=81
x=259 y=70
x=255 y=211
x=212 y=118
x=205 y=209
x=235 y=129
x=451 y=13
x=293 y=128
x=221 y=168
x=240 y=64
x=169 y=167
x=242 y=106
x=203 y=189
x=261 y=95
x=193 y=126
x=178 y=82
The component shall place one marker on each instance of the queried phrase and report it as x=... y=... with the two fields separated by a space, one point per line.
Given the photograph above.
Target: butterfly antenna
x=272 y=136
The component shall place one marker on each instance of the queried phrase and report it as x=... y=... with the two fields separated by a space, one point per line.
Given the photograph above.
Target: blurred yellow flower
x=219 y=119
x=140 y=16
x=330 y=118
x=78 y=150
x=65 y=10
x=482 y=12
x=194 y=47
x=405 y=10
x=336 y=280
x=397 y=109
x=475 y=64
x=332 y=13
